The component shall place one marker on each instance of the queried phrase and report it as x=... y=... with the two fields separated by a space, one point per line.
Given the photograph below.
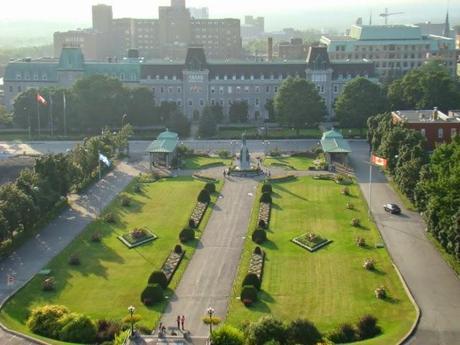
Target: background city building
x=295 y=49
x=253 y=27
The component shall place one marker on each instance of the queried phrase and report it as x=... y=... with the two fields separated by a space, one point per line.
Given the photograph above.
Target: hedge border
x=153 y=237
x=311 y=249
x=171 y=275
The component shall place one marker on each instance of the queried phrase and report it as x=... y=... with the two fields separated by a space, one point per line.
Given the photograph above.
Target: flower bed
x=197 y=214
x=283 y=178
x=324 y=177
x=172 y=263
x=204 y=178
x=256 y=265
x=311 y=241
x=264 y=215
x=137 y=237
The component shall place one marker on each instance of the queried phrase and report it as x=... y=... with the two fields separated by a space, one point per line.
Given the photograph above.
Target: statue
x=245 y=159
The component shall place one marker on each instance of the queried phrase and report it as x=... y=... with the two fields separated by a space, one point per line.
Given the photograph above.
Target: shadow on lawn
x=268 y=244
x=287 y=191
x=262 y=305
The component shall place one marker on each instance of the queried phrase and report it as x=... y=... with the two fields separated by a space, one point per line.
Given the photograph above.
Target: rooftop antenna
x=386 y=14
x=370 y=17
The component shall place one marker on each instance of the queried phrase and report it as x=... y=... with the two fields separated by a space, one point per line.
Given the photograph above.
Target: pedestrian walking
x=225 y=173
x=178 y=321
x=182 y=322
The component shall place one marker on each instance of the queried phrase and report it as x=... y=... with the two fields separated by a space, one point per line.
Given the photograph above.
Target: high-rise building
x=395 y=49
x=199 y=13
x=102 y=18
x=253 y=27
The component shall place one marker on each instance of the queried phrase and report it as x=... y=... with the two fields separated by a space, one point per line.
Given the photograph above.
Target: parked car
x=392 y=208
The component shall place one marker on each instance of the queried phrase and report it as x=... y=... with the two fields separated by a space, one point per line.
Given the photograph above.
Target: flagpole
x=51 y=115
x=99 y=160
x=370 y=186
x=65 y=115
x=38 y=115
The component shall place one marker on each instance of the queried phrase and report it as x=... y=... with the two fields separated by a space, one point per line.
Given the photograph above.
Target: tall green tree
x=6 y=119
x=141 y=108
x=298 y=104
x=359 y=100
x=238 y=112
x=208 y=123
x=270 y=108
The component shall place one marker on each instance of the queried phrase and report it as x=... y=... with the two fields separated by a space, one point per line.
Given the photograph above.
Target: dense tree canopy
x=298 y=103
x=208 y=123
x=359 y=100
x=238 y=112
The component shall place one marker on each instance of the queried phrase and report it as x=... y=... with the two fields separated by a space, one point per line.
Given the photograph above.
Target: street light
x=123 y=118
x=131 y=310
x=211 y=312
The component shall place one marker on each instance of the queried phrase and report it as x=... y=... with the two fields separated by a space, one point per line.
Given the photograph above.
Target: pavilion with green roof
x=163 y=150
x=335 y=147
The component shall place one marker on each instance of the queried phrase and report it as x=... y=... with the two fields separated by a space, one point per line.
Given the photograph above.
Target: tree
x=25 y=109
x=424 y=88
x=208 y=123
x=141 y=108
x=6 y=119
x=264 y=330
x=238 y=111
x=302 y=331
x=359 y=100
x=177 y=122
x=217 y=112
x=270 y=108
x=298 y=103
x=227 y=335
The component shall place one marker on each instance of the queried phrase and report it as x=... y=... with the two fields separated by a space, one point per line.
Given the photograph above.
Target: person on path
x=160 y=329
x=182 y=322
x=178 y=321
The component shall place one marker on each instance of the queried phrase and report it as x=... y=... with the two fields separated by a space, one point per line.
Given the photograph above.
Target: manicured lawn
x=294 y=163
x=199 y=162
x=111 y=276
x=274 y=133
x=329 y=286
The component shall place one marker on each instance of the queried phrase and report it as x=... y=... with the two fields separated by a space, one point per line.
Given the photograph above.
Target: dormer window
x=44 y=76
x=18 y=76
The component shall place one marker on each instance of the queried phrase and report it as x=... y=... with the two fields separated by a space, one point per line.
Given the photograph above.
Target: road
x=434 y=285
x=34 y=254
x=209 y=277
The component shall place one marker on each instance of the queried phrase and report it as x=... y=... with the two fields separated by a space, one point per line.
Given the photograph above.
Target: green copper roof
x=71 y=59
x=126 y=72
x=335 y=146
x=385 y=32
x=165 y=143
x=31 y=71
x=332 y=134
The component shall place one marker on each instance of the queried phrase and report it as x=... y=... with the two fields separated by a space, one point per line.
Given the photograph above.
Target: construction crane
x=386 y=15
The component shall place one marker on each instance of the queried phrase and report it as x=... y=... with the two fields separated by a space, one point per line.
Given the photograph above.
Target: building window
x=336 y=88
x=246 y=89
x=18 y=76
x=11 y=89
x=453 y=132
x=230 y=89
x=423 y=131
x=179 y=90
x=153 y=91
x=201 y=102
x=221 y=90
x=213 y=90
x=257 y=101
x=190 y=102
x=222 y=102
x=162 y=89
x=213 y=102
x=179 y=103
x=19 y=89
x=257 y=89
x=440 y=133
x=267 y=89
x=170 y=89
x=276 y=89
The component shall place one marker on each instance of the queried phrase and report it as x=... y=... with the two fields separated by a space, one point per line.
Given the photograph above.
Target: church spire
x=446 y=31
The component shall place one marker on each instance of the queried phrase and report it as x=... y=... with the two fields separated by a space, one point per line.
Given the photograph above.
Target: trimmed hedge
x=204 y=196
x=266 y=198
x=45 y=320
x=259 y=236
x=210 y=187
x=248 y=294
x=77 y=328
x=152 y=294
x=158 y=277
x=252 y=279
x=187 y=235
x=267 y=188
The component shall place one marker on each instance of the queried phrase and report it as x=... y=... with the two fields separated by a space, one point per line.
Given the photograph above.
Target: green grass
x=200 y=162
x=294 y=163
x=329 y=286
x=111 y=276
x=274 y=133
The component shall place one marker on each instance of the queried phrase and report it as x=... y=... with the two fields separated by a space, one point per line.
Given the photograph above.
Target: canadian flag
x=379 y=161
x=41 y=99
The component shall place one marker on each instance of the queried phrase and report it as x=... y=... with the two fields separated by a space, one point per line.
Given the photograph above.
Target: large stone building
x=196 y=81
x=295 y=49
x=395 y=49
x=165 y=37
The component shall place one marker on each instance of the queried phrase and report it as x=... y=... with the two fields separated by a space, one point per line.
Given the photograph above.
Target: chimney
x=270 y=48
x=435 y=114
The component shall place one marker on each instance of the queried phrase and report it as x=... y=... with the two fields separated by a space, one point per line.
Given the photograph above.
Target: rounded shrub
x=266 y=198
x=265 y=330
x=356 y=222
x=345 y=334
x=257 y=250
x=227 y=335
x=77 y=328
x=204 y=196
x=248 y=294
x=107 y=330
x=303 y=331
x=74 y=260
x=48 y=284
x=259 y=236
x=152 y=294
x=187 y=235
x=192 y=223
x=367 y=327
x=125 y=201
x=267 y=188
x=96 y=237
x=178 y=249
x=252 y=279
x=45 y=320
x=210 y=187
x=262 y=224
x=137 y=188
x=109 y=217
x=158 y=277
x=380 y=292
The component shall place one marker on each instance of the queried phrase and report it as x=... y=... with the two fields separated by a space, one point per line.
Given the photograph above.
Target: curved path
x=434 y=285
x=33 y=255
x=209 y=277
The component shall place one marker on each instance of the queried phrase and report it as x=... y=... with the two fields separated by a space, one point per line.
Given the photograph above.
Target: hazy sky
x=279 y=14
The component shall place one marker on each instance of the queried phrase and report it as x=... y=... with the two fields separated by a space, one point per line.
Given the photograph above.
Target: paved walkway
x=209 y=277
x=434 y=285
x=30 y=258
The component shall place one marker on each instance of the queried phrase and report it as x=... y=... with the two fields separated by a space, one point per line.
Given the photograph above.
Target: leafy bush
x=125 y=201
x=360 y=242
x=96 y=237
x=265 y=330
x=252 y=279
x=262 y=224
x=224 y=154
x=109 y=217
x=152 y=294
x=367 y=327
x=266 y=198
x=351 y=206
x=369 y=264
x=192 y=223
x=137 y=188
x=227 y=335
x=204 y=196
x=210 y=187
x=248 y=294
x=259 y=236
x=257 y=250
x=77 y=328
x=302 y=331
x=356 y=222
x=345 y=334
x=45 y=320
x=158 y=277
x=187 y=235
x=74 y=260
x=267 y=188
x=346 y=191
x=107 y=330
x=380 y=292
x=48 y=284
x=211 y=320
x=178 y=249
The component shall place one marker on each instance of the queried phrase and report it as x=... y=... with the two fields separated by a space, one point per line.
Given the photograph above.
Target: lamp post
x=131 y=310
x=123 y=118
x=211 y=312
